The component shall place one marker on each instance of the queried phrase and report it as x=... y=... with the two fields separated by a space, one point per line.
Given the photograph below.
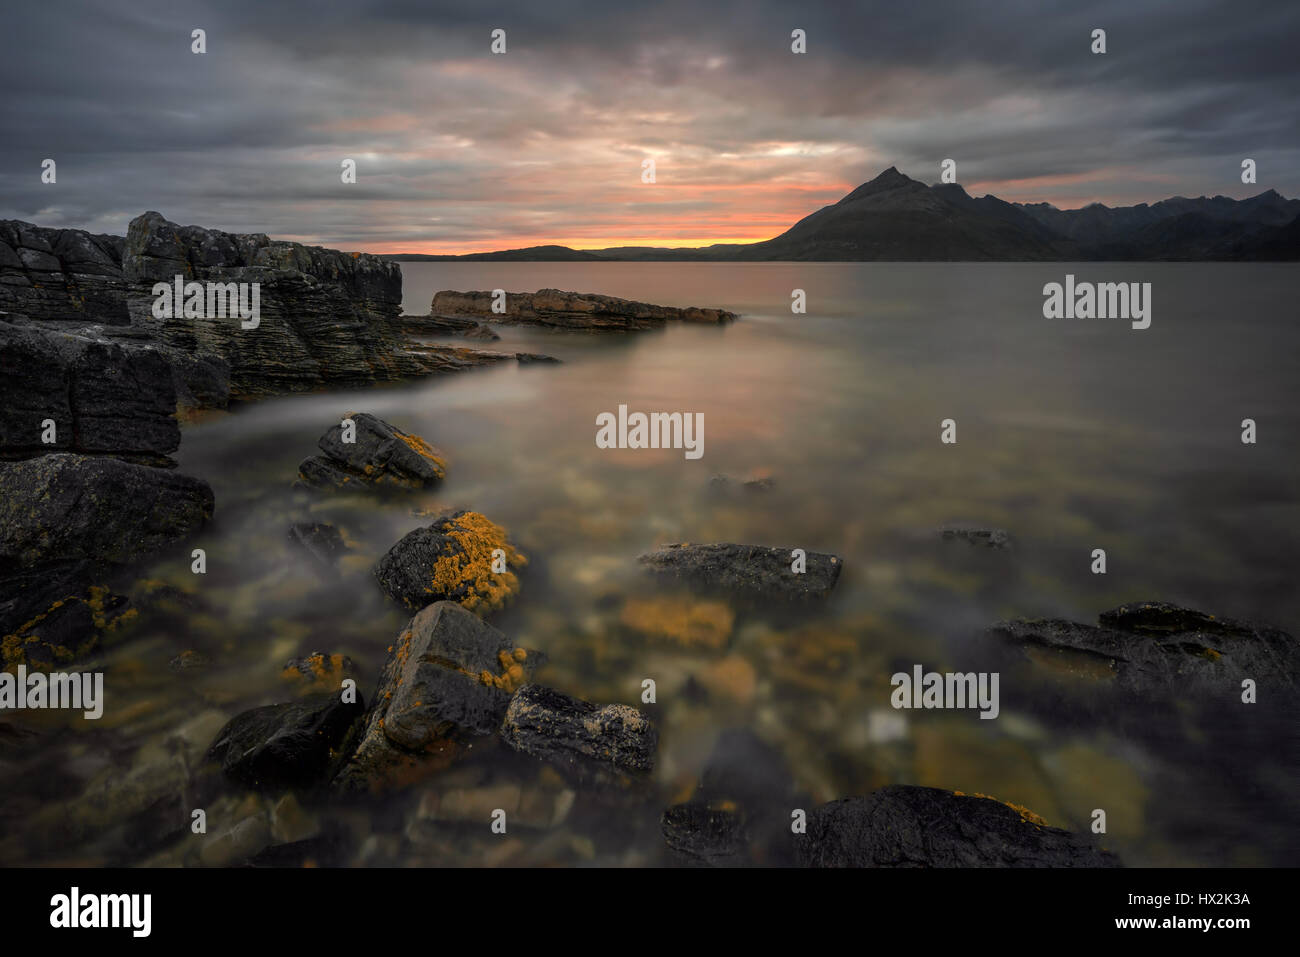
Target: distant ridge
x=894 y=218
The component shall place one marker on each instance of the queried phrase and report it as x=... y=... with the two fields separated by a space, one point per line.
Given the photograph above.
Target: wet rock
x=526 y=358
x=382 y=457
x=590 y=742
x=65 y=506
x=571 y=310
x=756 y=571
x=905 y=826
x=56 y=613
x=700 y=834
x=1156 y=646
x=287 y=745
x=102 y=397
x=451 y=559
x=447 y=683
x=324 y=543
x=976 y=535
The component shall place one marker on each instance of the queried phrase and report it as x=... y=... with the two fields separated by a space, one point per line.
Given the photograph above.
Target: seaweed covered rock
x=447 y=683
x=461 y=557
x=906 y=826
x=1157 y=646
x=614 y=743
x=755 y=571
x=287 y=745
x=366 y=451
x=66 y=506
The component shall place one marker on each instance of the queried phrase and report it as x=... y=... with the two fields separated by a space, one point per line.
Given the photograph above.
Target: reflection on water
x=1072 y=435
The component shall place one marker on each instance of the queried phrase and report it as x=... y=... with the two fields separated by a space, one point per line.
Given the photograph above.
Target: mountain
x=896 y=218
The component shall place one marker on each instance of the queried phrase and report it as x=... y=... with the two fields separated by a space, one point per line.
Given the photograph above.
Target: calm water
x=1072 y=435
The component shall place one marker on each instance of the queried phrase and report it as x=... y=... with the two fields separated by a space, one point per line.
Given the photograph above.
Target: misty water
x=1071 y=435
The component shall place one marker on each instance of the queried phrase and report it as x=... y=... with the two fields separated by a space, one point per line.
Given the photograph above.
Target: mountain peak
x=889 y=179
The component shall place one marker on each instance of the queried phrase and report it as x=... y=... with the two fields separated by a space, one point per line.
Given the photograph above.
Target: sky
x=458 y=149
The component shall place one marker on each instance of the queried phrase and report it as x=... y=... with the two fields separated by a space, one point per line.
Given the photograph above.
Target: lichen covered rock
x=382 y=456
x=453 y=559
x=447 y=683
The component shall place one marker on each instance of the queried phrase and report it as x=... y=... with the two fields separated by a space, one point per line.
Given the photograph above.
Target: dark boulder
x=285 y=745
x=613 y=743
x=756 y=571
x=65 y=506
x=382 y=456
x=701 y=834
x=906 y=826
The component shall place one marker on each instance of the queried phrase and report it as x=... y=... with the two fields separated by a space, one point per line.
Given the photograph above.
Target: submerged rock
x=447 y=683
x=757 y=571
x=906 y=826
x=323 y=542
x=1156 y=646
x=382 y=456
x=976 y=535
x=446 y=326
x=571 y=310
x=56 y=613
x=702 y=834
x=452 y=559
x=65 y=506
x=590 y=742
x=287 y=745
x=318 y=671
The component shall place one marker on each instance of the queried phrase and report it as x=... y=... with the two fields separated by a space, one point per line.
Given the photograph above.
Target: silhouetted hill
x=896 y=218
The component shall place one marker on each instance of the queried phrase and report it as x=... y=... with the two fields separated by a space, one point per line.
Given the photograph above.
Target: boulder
x=382 y=457
x=571 y=310
x=451 y=559
x=591 y=743
x=284 y=746
x=756 y=571
x=65 y=506
x=447 y=684
x=906 y=826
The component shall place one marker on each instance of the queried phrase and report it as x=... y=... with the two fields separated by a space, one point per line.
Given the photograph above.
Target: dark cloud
x=460 y=149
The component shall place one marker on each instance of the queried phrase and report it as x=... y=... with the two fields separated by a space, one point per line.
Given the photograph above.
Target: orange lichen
x=464 y=572
x=1025 y=814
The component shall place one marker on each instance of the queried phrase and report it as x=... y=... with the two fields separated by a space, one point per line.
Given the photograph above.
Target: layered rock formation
x=65 y=275
x=570 y=310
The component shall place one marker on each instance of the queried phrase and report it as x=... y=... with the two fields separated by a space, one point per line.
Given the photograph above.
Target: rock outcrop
x=454 y=558
x=381 y=456
x=570 y=310
x=906 y=826
x=446 y=684
x=756 y=571
x=66 y=275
